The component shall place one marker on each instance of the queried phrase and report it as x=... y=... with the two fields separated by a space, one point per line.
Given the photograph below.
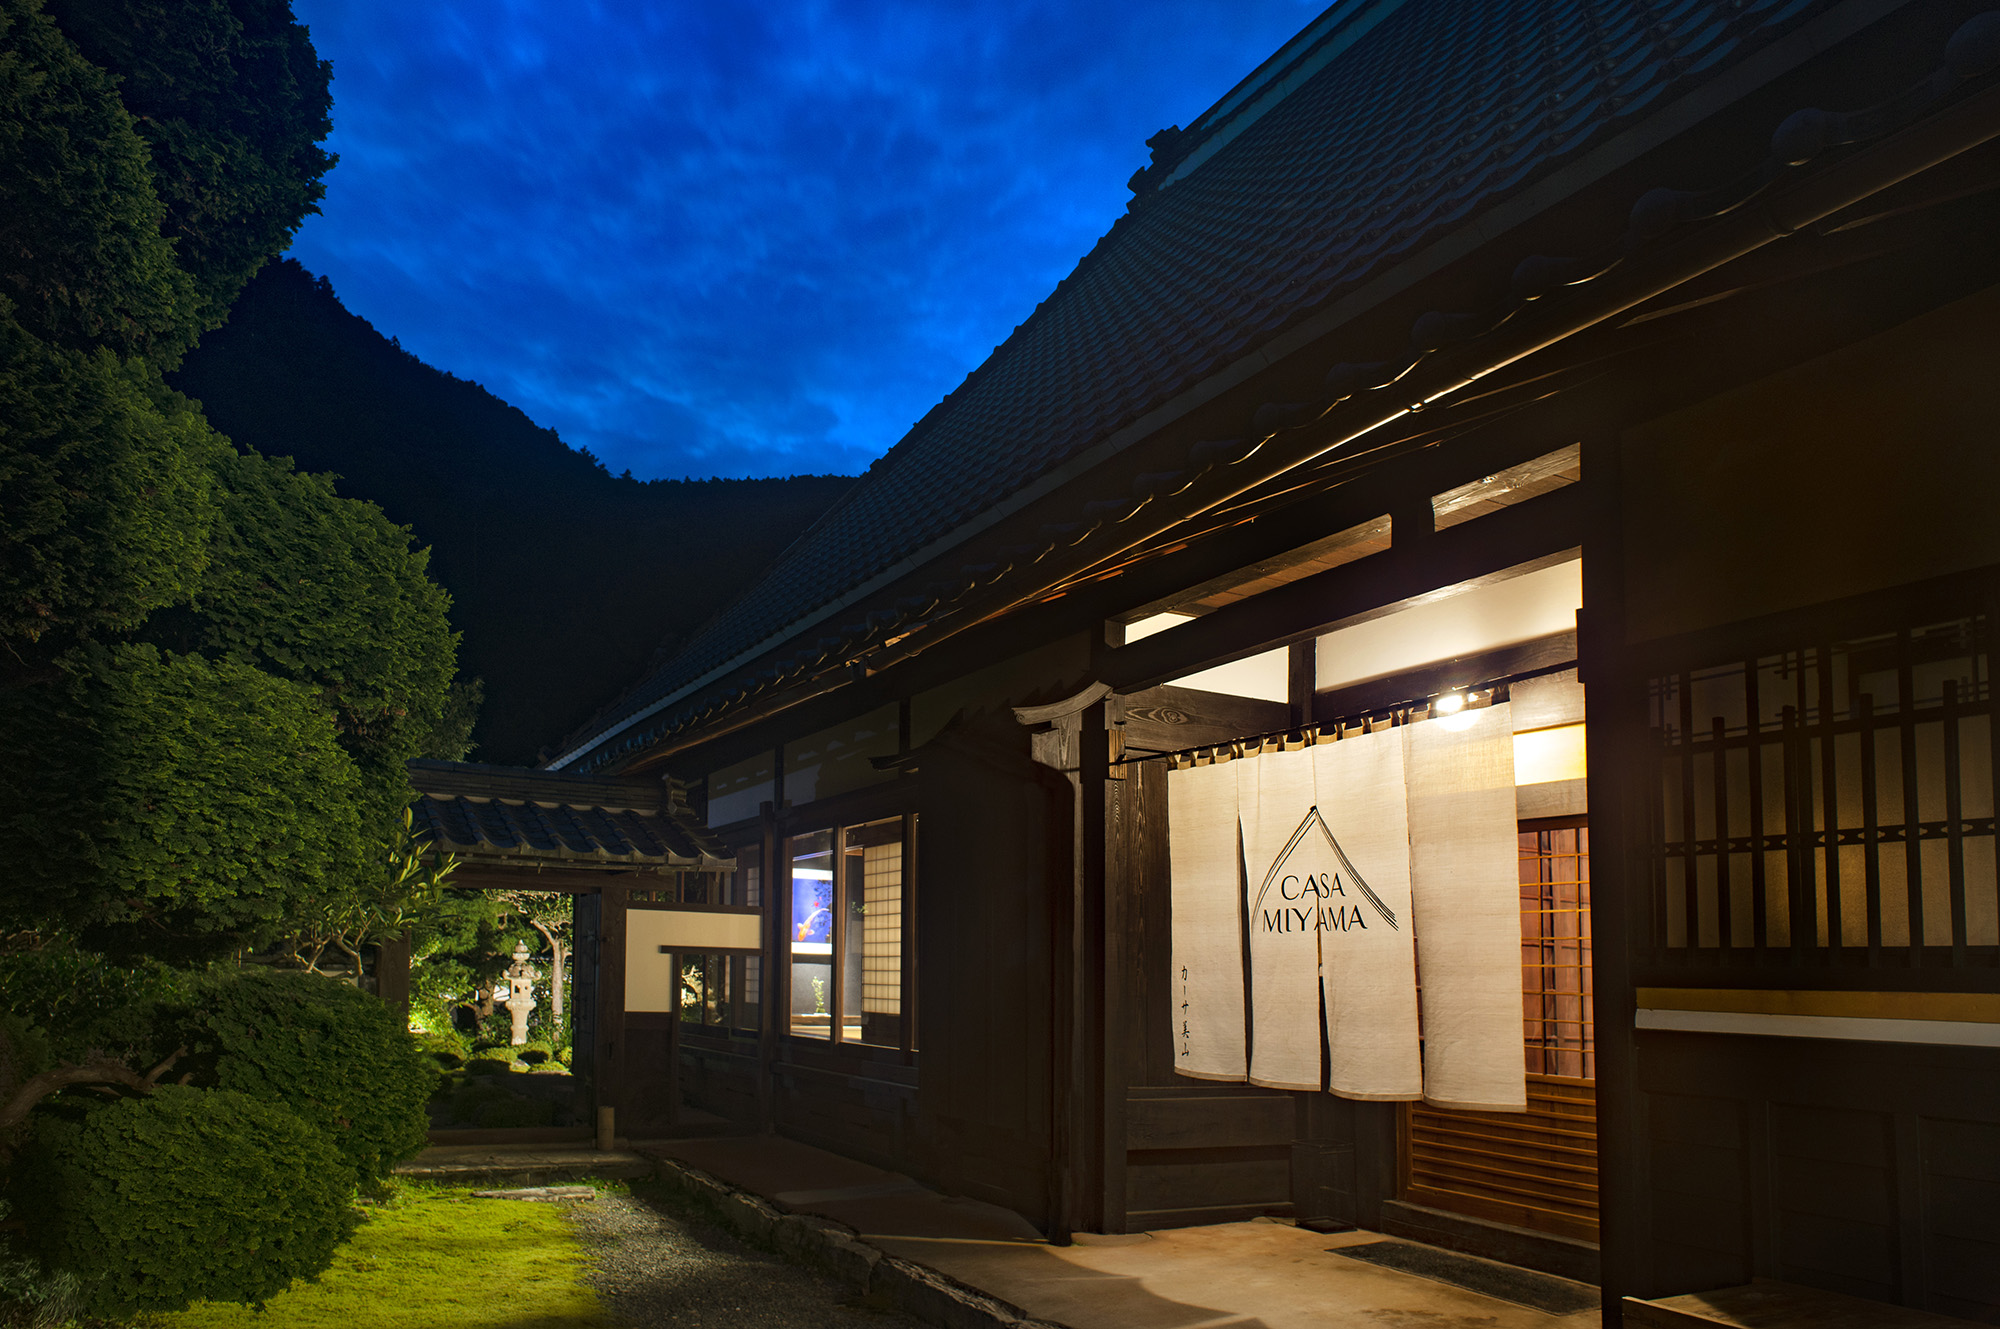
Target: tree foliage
x=212 y=667
x=327 y=1051
x=77 y=1006
x=82 y=255
x=107 y=510
x=232 y=102
x=155 y=1202
x=173 y=804
x=405 y=900
x=325 y=591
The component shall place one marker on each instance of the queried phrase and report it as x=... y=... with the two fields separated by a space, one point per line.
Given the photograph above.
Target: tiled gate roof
x=503 y=814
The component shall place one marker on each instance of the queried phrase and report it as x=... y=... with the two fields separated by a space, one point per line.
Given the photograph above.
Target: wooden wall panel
x=1700 y=1200
x=1195 y=1119
x=1866 y=1168
x=721 y=1078
x=646 y=1106
x=1961 y=1214
x=1746 y=504
x=1834 y=1196
x=993 y=851
x=857 y=1115
x=1229 y=1186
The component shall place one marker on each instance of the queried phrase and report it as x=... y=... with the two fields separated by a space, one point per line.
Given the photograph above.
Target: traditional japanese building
x=1552 y=447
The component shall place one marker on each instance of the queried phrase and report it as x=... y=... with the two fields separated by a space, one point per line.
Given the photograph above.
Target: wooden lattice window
x=1832 y=802
x=1555 y=949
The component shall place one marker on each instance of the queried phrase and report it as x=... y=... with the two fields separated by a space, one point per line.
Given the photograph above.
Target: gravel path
x=658 y=1262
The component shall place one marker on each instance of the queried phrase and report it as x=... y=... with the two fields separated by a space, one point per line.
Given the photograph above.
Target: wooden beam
x=1540 y=527
x=534 y=877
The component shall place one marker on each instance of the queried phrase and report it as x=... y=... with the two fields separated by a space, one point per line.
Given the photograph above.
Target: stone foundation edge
x=834 y=1248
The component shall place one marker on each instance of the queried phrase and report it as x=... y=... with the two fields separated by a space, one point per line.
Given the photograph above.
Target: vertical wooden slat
x=1829 y=780
x=1871 y=825
x=1954 y=811
x=1982 y=638
x=1690 y=873
x=1807 y=913
x=836 y=998
x=1798 y=845
x=1725 y=909
x=909 y=976
x=1805 y=907
x=1906 y=705
x=1754 y=715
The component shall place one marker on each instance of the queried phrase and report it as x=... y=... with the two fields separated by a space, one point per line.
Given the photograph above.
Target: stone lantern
x=520 y=996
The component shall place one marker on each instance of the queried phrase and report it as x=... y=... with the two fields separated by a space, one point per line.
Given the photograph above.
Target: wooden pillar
x=1093 y=1106
x=610 y=1049
x=1074 y=738
x=392 y=977
x=1301 y=678
x=673 y=1112
x=775 y=983
x=1616 y=741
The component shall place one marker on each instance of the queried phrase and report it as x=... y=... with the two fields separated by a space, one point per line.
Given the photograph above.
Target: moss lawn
x=432 y=1257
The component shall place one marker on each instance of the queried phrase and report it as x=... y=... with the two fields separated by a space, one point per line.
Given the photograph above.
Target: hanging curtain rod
x=1293 y=737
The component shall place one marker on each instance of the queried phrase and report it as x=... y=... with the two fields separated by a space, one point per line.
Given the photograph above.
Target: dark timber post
x=611 y=1006
x=1093 y=1109
x=1615 y=741
x=1074 y=739
x=769 y=1012
x=392 y=976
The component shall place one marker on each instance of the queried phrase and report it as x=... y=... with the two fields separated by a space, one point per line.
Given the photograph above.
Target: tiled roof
x=1439 y=112
x=496 y=814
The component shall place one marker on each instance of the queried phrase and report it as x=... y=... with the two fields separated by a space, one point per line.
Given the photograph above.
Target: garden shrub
x=184 y=1195
x=449 y=1049
x=487 y=1106
x=491 y=1061
x=330 y=1052
x=82 y=1004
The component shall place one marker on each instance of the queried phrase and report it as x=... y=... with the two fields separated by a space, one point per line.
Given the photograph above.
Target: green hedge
x=331 y=1053
x=448 y=1049
x=187 y=1194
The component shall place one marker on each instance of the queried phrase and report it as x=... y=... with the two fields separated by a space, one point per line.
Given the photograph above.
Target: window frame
x=836 y=1041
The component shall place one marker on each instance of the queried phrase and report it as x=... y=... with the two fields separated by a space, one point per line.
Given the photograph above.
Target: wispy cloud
x=704 y=238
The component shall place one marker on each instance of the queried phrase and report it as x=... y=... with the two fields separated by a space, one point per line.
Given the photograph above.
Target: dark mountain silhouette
x=565 y=580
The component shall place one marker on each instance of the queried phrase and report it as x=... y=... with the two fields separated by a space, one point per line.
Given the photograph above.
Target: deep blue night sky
x=732 y=239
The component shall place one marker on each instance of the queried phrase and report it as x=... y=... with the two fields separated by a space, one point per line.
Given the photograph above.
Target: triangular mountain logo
x=1299 y=895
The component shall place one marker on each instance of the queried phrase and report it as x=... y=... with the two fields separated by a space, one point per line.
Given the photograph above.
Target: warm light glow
x=1545 y=755
x=1146 y=627
x=1462 y=623
x=1451 y=703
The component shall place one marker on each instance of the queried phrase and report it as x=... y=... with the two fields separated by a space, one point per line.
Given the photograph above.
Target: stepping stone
x=542 y=1193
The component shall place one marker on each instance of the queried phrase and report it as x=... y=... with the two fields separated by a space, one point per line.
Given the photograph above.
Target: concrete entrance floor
x=1260 y=1273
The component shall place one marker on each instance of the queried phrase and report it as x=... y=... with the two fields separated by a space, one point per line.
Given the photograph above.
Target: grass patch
x=432 y=1257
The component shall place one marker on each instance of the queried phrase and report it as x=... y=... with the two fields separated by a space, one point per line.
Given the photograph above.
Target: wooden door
x=1535 y=1169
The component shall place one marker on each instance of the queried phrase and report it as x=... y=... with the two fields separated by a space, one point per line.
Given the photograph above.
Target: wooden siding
x=1870 y=1169
x=1535 y=1169
x=1206 y=1153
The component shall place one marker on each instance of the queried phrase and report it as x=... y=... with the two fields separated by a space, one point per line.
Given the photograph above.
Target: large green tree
x=232 y=102
x=212 y=671
x=212 y=667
